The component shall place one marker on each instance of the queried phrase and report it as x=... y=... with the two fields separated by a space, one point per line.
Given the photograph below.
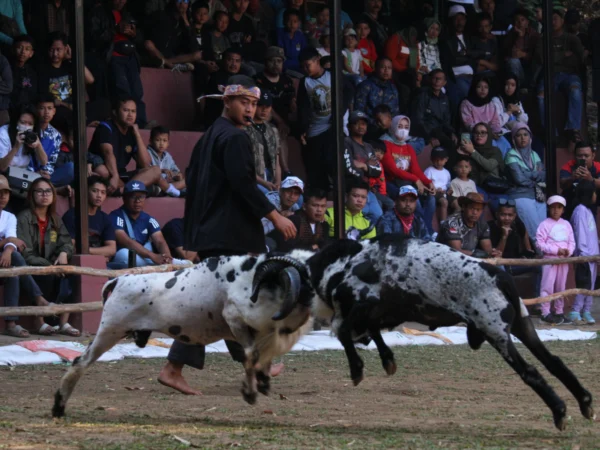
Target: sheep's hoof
x=588 y=412
x=358 y=379
x=250 y=398
x=58 y=410
x=390 y=367
x=560 y=419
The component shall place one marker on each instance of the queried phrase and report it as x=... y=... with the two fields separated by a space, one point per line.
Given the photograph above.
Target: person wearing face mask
x=14 y=151
x=401 y=168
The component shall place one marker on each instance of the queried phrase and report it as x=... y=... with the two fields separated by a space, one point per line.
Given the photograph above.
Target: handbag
x=495 y=185
x=19 y=180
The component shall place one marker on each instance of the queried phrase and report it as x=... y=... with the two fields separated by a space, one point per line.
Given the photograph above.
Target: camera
x=29 y=137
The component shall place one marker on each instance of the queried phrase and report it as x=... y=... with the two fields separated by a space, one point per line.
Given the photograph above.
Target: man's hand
x=113 y=184
x=583 y=173
x=45 y=174
x=19 y=243
x=506 y=231
x=156 y=258
x=420 y=187
x=62 y=259
x=496 y=253
x=166 y=259
x=360 y=165
x=285 y=227
x=5 y=259
x=136 y=129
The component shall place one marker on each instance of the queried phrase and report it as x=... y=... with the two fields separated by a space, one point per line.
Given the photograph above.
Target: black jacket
x=6 y=83
x=100 y=29
x=430 y=112
x=224 y=205
x=450 y=56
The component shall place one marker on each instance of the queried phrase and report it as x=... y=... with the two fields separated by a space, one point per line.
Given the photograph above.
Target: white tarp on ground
x=12 y=355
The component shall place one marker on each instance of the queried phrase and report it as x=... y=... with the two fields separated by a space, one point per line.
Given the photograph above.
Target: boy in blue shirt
x=291 y=39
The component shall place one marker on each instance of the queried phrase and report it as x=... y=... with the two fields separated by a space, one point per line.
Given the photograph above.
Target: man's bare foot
x=276 y=369
x=171 y=376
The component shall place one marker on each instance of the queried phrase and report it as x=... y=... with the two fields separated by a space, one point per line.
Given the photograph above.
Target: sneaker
x=182 y=67
x=553 y=319
x=575 y=317
x=434 y=237
x=565 y=319
x=588 y=319
x=182 y=262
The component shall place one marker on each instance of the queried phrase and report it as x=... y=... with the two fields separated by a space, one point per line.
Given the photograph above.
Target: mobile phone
x=580 y=162
x=465 y=137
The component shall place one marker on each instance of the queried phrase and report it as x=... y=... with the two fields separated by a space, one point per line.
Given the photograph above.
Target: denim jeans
x=426 y=209
x=532 y=213
x=125 y=80
x=63 y=175
x=570 y=84
x=514 y=66
x=372 y=209
x=121 y=258
x=15 y=285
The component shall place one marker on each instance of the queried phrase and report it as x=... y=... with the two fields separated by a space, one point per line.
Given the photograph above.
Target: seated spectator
x=520 y=44
x=378 y=89
x=230 y=65
x=462 y=185
x=24 y=76
x=51 y=140
x=403 y=50
x=47 y=243
x=366 y=46
x=466 y=231
x=135 y=230
x=175 y=238
x=441 y=179
x=316 y=27
x=478 y=107
x=216 y=42
x=431 y=116
x=379 y=123
x=377 y=23
x=170 y=40
x=286 y=5
x=157 y=149
x=568 y=63
x=15 y=149
x=47 y=17
x=361 y=163
x=356 y=200
x=6 y=87
x=485 y=44
x=312 y=231
x=200 y=20
x=324 y=44
x=509 y=236
x=13 y=25
x=402 y=219
x=314 y=116
x=378 y=185
x=528 y=176
x=583 y=167
x=402 y=167
x=291 y=40
x=266 y=145
x=10 y=256
x=115 y=143
x=509 y=106
x=498 y=21
x=352 y=57
x=101 y=232
x=242 y=32
x=285 y=200
x=429 y=49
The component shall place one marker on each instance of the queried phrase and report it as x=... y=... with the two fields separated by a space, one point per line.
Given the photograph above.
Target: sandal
x=46 y=330
x=17 y=331
x=68 y=330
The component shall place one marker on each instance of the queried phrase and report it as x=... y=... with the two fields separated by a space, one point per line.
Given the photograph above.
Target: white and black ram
x=201 y=305
x=368 y=286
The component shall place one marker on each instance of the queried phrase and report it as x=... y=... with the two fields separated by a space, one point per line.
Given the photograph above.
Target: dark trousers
x=521 y=270
x=125 y=80
x=194 y=355
x=15 y=285
x=318 y=156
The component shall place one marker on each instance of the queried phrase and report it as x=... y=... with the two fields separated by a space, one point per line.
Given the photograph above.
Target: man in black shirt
x=230 y=65
x=25 y=78
x=224 y=208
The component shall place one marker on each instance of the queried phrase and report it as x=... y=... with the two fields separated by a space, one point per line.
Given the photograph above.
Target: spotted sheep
x=364 y=287
x=201 y=305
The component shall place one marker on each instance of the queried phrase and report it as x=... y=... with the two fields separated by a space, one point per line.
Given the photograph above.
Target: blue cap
x=134 y=186
x=407 y=190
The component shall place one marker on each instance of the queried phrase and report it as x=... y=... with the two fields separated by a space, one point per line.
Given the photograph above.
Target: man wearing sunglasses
x=509 y=236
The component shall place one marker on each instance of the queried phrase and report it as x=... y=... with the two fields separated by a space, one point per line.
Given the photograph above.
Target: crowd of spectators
x=455 y=85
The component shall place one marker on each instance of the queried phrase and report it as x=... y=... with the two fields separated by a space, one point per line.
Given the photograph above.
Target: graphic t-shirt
x=124 y=145
x=319 y=95
x=57 y=81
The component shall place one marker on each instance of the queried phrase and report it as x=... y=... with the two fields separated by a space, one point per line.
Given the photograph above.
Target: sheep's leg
x=249 y=385
x=531 y=377
x=385 y=353
x=524 y=330
x=244 y=335
x=104 y=341
x=344 y=335
x=474 y=337
x=263 y=379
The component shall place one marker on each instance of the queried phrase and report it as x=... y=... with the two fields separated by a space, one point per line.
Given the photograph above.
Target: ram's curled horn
x=291 y=282
x=298 y=265
x=271 y=267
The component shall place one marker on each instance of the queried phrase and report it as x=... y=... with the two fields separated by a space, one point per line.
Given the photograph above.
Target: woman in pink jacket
x=478 y=107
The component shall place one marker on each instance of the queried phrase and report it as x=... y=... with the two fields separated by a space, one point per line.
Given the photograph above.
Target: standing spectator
x=12 y=18
x=47 y=243
x=366 y=46
x=101 y=232
x=265 y=145
x=555 y=238
x=10 y=256
x=429 y=49
x=586 y=244
x=356 y=200
x=25 y=77
x=137 y=231
x=431 y=117
x=583 y=167
x=353 y=67
x=568 y=63
x=216 y=41
x=291 y=40
x=402 y=219
x=377 y=24
x=466 y=231
x=6 y=87
x=49 y=16
x=314 y=114
x=157 y=149
x=241 y=29
x=115 y=143
x=378 y=89
x=231 y=65
x=519 y=47
x=285 y=200
x=528 y=175
x=15 y=151
x=170 y=39
x=441 y=181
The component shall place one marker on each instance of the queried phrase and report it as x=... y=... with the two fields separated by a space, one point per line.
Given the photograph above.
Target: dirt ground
x=441 y=397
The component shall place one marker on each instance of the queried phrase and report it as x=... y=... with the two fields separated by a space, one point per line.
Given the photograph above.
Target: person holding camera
x=19 y=144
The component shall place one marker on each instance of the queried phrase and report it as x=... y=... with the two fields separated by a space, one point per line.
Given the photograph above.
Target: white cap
x=291 y=182
x=556 y=199
x=456 y=9
x=349 y=32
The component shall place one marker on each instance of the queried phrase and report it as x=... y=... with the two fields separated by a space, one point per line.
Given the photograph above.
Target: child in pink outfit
x=555 y=238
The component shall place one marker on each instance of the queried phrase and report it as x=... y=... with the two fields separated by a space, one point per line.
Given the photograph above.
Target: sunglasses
x=506 y=201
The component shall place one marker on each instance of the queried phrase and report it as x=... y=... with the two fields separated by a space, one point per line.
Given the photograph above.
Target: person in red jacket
x=401 y=168
x=366 y=46
x=403 y=49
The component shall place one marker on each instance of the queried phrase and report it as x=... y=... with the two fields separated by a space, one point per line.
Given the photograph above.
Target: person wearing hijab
x=401 y=167
x=478 y=107
x=486 y=159
x=508 y=104
x=429 y=50
x=526 y=172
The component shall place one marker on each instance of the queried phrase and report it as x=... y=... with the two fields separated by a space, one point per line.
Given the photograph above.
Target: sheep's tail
x=108 y=289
